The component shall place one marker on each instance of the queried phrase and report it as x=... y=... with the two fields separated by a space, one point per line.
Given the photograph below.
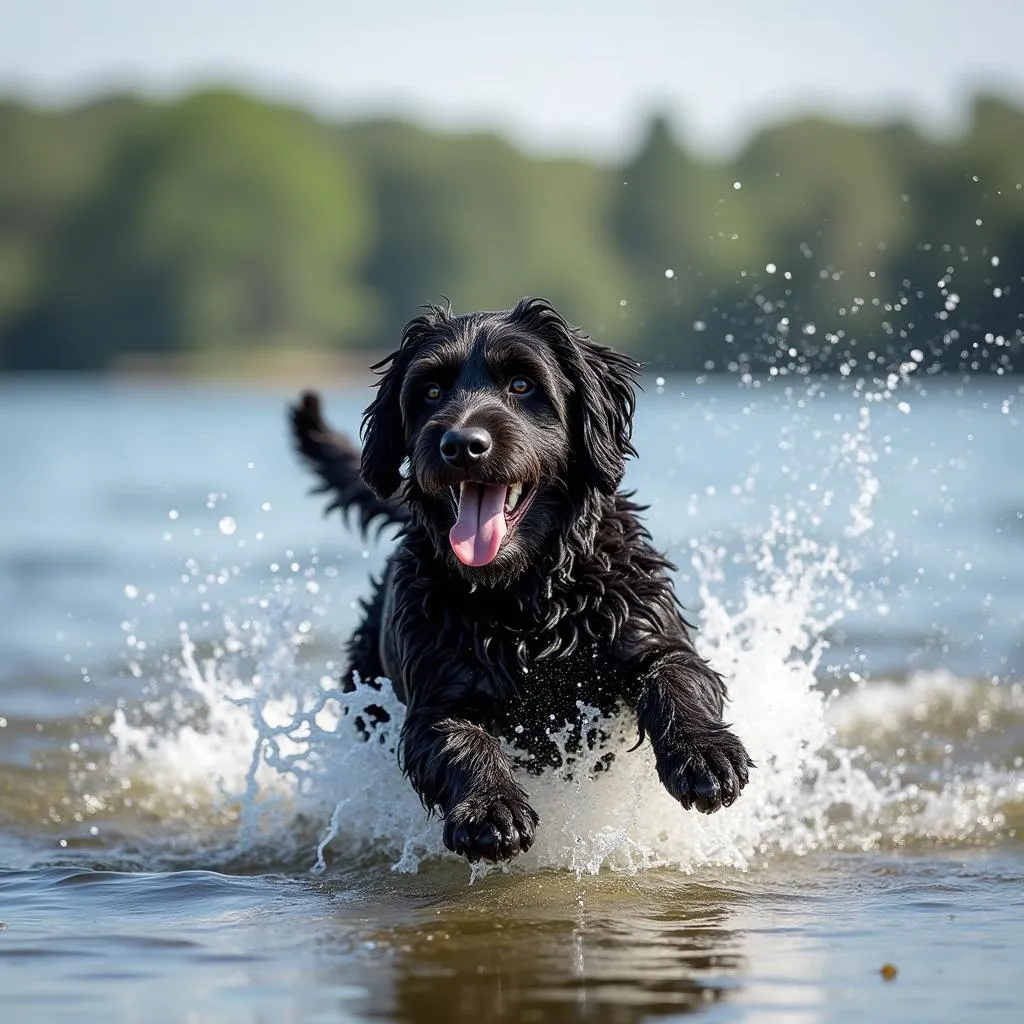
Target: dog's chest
x=558 y=705
x=540 y=677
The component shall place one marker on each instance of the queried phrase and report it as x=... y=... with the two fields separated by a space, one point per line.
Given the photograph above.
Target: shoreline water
x=162 y=805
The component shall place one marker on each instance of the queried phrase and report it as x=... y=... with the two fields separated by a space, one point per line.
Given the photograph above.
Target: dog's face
x=512 y=423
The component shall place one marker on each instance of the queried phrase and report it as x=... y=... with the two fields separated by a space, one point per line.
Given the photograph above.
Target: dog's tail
x=335 y=460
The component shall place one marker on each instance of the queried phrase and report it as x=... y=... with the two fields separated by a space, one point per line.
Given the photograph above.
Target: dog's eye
x=432 y=392
x=520 y=386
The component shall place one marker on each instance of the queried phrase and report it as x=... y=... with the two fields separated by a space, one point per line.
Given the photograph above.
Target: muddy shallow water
x=796 y=942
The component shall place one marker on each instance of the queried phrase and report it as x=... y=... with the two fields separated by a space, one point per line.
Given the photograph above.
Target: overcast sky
x=558 y=77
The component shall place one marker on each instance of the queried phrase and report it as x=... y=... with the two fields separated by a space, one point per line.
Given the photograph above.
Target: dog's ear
x=383 y=431
x=606 y=399
x=602 y=398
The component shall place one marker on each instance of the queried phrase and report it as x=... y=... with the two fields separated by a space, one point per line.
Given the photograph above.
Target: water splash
x=247 y=754
x=268 y=754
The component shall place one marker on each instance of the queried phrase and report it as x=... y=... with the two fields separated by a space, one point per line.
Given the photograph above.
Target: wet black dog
x=524 y=583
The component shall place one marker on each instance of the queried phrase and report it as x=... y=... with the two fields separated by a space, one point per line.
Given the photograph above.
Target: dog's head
x=513 y=423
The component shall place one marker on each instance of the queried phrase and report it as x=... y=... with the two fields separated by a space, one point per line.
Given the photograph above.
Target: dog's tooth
x=513 y=496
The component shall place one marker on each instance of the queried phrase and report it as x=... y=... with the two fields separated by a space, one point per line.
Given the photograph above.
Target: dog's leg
x=363 y=647
x=364 y=660
x=701 y=762
x=459 y=769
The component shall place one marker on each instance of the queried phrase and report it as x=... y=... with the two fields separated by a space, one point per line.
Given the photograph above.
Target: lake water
x=188 y=832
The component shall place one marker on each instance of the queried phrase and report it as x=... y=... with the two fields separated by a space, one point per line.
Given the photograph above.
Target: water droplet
x=227 y=526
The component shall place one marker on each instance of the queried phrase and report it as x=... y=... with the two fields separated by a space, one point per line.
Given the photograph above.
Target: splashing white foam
x=276 y=757
x=256 y=745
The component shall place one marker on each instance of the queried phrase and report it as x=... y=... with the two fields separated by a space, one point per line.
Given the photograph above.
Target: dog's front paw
x=708 y=773
x=490 y=828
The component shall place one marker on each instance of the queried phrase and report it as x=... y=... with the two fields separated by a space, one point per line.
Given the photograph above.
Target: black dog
x=523 y=582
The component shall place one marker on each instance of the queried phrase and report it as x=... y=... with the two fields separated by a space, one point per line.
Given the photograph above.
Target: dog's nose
x=465 y=446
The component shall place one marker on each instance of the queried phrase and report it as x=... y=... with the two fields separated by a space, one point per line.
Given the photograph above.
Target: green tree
x=223 y=223
x=217 y=224
x=49 y=162
x=686 y=235
x=473 y=219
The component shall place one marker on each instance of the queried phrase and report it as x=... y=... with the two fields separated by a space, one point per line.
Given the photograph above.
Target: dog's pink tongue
x=480 y=527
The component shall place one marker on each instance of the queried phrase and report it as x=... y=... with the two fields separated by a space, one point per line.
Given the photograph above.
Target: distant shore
x=299 y=368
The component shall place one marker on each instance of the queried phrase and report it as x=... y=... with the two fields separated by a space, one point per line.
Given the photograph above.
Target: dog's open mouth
x=485 y=515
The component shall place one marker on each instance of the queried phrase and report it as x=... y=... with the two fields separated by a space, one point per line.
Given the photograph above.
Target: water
x=188 y=832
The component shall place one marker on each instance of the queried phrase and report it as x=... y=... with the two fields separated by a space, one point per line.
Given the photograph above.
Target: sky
x=569 y=77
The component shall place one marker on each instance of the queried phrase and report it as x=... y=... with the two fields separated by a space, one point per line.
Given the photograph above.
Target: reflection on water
x=802 y=942
x=426 y=948
x=549 y=948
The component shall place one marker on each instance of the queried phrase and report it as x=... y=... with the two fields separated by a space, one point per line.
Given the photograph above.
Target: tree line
x=218 y=226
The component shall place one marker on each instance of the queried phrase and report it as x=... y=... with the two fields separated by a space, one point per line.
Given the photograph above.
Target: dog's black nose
x=465 y=446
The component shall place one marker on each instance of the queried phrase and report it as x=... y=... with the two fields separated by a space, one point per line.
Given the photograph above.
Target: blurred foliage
x=218 y=225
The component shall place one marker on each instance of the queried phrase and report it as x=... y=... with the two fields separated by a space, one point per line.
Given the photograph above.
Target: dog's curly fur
x=576 y=606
